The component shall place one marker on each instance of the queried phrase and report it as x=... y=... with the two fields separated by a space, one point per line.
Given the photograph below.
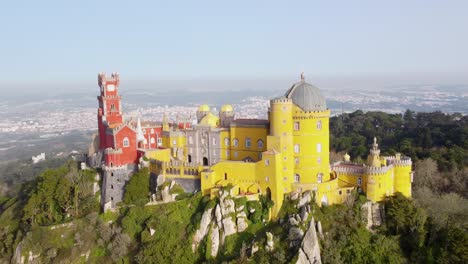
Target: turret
x=202 y=111
x=226 y=115
x=373 y=159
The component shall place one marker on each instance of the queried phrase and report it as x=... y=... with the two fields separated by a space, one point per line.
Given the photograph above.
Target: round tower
x=202 y=111
x=226 y=115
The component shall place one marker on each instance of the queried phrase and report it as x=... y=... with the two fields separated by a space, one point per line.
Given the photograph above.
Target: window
x=126 y=142
x=296 y=126
x=214 y=141
x=340 y=192
x=319 y=148
x=319 y=160
x=159 y=141
x=260 y=144
x=152 y=141
x=235 y=142
x=297 y=178
x=112 y=107
x=319 y=124
x=152 y=131
x=297 y=148
x=319 y=177
x=112 y=186
x=227 y=154
x=190 y=140
x=259 y=156
x=144 y=131
x=225 y=176
x=359 y=181
x=174 y=142
x=248 y=143
x=284 y=121
x=226 y=142
x=267 y=162
x=235 y=154
x=267 y=178
x=296 y=160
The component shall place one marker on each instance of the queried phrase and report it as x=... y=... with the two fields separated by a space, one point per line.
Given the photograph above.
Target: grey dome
x=306 y=96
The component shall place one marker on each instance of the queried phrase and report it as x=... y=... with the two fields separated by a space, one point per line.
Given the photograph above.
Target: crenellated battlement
x=281 y=100
x=377 y=170
x=103 y=78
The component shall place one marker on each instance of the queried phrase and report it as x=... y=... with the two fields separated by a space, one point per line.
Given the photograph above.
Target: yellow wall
x=313 y=143
x=241 y=133
x=403 y=179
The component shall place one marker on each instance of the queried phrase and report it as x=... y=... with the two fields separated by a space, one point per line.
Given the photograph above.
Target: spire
x=375 y=146
x=165 y=123
x=302 y=77
x=140 y=136
x=374 y=155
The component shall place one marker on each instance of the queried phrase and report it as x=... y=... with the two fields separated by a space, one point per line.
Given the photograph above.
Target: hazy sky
x=149 y=40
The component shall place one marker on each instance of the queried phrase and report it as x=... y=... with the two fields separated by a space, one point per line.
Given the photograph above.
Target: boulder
x=166 y=197
x=241 y=224
x=302 y=258
x=293 y=221
x=294 y=196
x=254 y=248
x=241 y=214
x=202 y=231
x=306 y=198
x=270 y=245
x=319 y=229
x=214 y=240
x=218 y=215
x=227 y=206
x=310 y=245
x=295 y=234
x=304 y=214
x=298 y=218
x=229 y=226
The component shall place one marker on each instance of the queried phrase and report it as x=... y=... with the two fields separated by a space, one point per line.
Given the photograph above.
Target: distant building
x=286 y=154
x=38 y=158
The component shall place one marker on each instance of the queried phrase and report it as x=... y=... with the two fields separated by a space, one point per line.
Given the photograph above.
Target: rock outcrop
x=309 y=252
x=223 y=220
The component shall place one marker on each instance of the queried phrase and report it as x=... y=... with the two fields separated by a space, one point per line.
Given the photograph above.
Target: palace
x=284 y=155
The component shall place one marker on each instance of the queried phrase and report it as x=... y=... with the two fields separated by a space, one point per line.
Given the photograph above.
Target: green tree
x=137 y=189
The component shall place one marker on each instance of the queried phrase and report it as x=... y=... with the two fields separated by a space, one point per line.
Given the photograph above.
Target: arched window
x=152 y=141
x=359 y=181
x=297 y=126
x=319 y=177
x=297 y=178
x=319 y=124
x=214 y=141
x=260 y=144
x=226 y=142
x=319 y=147
x=152 y=131
x=126 y=142
x=248 y=143
x=235 y=142
x=297 y=148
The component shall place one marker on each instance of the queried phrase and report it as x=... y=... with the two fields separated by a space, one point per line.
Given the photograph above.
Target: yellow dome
x=204 y=108
x=226 y=108
x=210 y=119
